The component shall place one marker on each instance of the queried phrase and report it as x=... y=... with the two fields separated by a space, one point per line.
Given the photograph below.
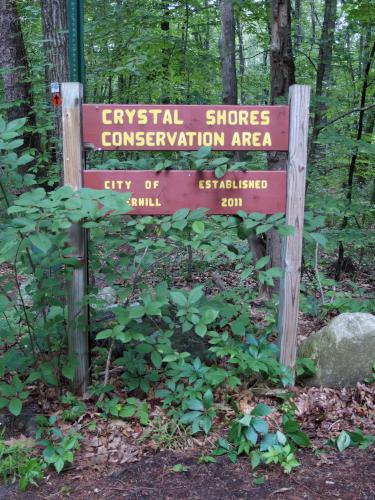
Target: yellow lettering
x=210 y=117
x=160 y=138
x=155 y=113
x=142 y=116
x=246 y=139
x=130 y=113
x=256 y=139
x=265 y=117
x=128 y=138
x=106 y=120
x=254 y=119
x=118 y=117
x=201 y=184
x=104 y=139
x=236 y=139
x=267 y=139
x=264 y=184
x=167 y=118
x=117 y=139
x=107 y=185
x=242 y=117
x=176 y=118
x=148 y=184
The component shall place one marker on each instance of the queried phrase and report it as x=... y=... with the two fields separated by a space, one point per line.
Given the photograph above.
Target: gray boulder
x=344 y=350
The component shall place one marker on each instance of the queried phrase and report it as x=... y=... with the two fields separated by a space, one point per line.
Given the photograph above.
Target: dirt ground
x=346 y=476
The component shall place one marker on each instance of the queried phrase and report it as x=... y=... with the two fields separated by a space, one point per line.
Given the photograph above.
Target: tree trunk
x=164 y=25
x=324 y=69
x=298 y=30
x=241 y=57
x=55 y=25
x=282 y=77
x=228 y=52
x=13 y=61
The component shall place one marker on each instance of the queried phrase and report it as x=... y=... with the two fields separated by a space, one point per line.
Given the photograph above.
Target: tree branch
x=356 y=110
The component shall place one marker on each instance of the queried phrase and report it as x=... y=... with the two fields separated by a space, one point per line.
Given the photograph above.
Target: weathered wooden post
x=73 y=169
x=299 y=102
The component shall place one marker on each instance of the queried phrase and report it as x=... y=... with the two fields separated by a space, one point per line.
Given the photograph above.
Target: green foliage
x=250 y=435
x=356 y=438
x=74 y=409
x=177 y=468
x=58 y=449
x=18 y=463
x=131 y=408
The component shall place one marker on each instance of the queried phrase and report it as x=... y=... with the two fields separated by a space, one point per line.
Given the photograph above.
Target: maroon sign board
x=185 y=127
x=165 y=192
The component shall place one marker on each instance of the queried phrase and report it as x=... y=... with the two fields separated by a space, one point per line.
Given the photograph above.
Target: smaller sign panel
x=165 y=192
x=185 y=127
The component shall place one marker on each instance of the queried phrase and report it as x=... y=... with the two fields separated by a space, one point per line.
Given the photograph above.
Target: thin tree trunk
x=324 y=69
x=352 y=165
x=228 y=53
x=13 y=61
x=164 y=25
x=241 y=56
x=313 y=23
x=55 y=25
x=298 y=30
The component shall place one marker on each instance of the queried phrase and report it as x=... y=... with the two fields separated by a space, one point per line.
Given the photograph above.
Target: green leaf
x=220 y=171
x=208 y=399
x=16 y=124
x=255 y=458
x=180 y=214
x=319 y=238
x=263 y=228
x=196 y=294
x=200 y=329
x=195 y=404
x=285 y=230
x=261 y=410
x=259 y=480
x=179 y=298
x=68 y=370
x=41 y=241
x=206 y=459
x=190 y=416
x=262 y=262
x=209 y=316
x=198 y=227
x=300 y=438
x=343 y=441
x=156 y=359
x=251 y=435
x=105 y=334
x=260 y=425
x=15 y=406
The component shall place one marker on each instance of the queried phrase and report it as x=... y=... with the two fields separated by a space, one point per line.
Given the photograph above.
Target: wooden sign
x=181 y=127
x=163 y=193
x=185 y=127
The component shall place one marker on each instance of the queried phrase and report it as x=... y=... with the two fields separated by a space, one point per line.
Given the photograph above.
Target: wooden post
x=299 y=102
x=73 y=172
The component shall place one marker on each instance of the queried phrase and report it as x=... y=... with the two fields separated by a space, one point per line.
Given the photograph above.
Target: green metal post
x=75 y=27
